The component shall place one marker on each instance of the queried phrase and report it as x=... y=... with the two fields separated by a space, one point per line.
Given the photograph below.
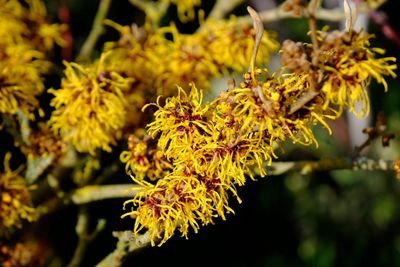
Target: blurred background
x=338 y=218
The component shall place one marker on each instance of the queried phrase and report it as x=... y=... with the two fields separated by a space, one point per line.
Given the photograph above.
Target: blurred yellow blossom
x=23 y=254
x=15 y=200
x=230 y=43
x=89 y=106
x=154 y=61
x=25 y=36
x=20 y=23
x=21 y=70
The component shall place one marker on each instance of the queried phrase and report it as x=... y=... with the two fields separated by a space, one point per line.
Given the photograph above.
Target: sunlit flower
x=180 y=124
x=261 y=115
x=350 y=69
x=181 y=201
x=346 y=66
x=15 y=200
x=49 y=34
x=89 y=106
x=214 y=147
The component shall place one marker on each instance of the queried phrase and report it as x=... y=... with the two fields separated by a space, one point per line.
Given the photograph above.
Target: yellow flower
x=12 y=27
x=351 y=68
x=144 y=160
x=346 y=65
x=180 y=201
x=156 y=62
x=180 y=125
x=15 y=200
x=20 y=23
x=25 y=36
x=230 y=43
x=43 y=35
x=21 y=70
x=214 y=147
x=89 y=106
x=138 y=54
x=189 y=60
x=186 y=8
x=50 y=34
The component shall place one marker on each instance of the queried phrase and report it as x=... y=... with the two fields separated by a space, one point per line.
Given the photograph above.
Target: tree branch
x=92 y=193
x=87 y=194
x=305 y=167
x=97 y=30
x=223 y=7
x=127 y=243
x=333 y=15
x=154 y=11
x=84 y=237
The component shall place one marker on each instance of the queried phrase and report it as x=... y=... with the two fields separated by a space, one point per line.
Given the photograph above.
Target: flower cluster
x=213 y=147
x=96 y=101
x=15 y=200
x=25 y=37
x=89 y=106
x=144 y=159
x=345 y=64
x=154 y=61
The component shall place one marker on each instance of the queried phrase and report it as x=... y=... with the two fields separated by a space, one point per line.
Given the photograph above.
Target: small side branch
x=223 y=7
x=93 y=193
x=96 y=32
x=334 y=15
x=127 y=243
x=88 y=194
x=154 y=11
x=305 y=167
x=84 y=237
x=312 y=23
